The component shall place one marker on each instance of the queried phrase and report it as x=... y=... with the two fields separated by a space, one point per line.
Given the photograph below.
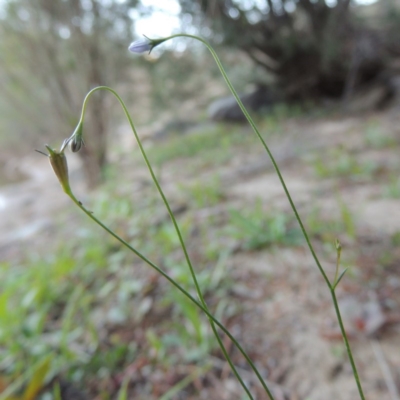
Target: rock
x=173 y=127
x=394 y=85
x=370 y=98
x=227 y=109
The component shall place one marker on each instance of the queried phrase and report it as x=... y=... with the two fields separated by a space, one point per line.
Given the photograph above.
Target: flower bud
x=140 y=46
x=143 y=45
x=76 y=143
x=59 y=164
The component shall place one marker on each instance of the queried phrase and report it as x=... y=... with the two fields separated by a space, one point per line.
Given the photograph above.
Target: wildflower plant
x=58 y=162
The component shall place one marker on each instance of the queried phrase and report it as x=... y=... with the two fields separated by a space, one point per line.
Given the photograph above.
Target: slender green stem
x=177 y=229
x=169 y=279
x=346 y=342
x=289 y=197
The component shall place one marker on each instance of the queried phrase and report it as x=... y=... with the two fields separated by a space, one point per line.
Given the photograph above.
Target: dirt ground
x=289 y=328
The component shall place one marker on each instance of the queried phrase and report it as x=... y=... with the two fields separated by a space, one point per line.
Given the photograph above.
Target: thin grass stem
x=346 y=342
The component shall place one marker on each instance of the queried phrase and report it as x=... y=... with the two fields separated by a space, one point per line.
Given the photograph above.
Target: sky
x=165 y=21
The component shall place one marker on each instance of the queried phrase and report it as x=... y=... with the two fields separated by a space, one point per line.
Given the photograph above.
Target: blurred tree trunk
x=93 y=154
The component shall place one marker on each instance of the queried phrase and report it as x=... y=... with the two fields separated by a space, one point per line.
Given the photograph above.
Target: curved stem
x=289 y=197
x=182 y=243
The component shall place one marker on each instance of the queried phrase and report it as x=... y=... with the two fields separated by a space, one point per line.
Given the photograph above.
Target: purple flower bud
x=141 y=46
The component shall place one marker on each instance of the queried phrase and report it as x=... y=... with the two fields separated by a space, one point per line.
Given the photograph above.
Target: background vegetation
x=82 y=319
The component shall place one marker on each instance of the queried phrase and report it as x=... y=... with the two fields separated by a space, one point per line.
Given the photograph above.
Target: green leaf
x=123 y=392
x=38 y=379
x=57 y=392
x=339 y=279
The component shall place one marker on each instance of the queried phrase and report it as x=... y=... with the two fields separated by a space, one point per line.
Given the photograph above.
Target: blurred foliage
x=53 y=52
x=339 y=162
x=328 y=228
x=204 y=194
x=214 y=144
x=255 y=228
x=86 y=305
x=184 y=82
x=312 y=48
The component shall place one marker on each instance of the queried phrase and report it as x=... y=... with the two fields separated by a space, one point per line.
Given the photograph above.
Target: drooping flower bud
x=75 y=141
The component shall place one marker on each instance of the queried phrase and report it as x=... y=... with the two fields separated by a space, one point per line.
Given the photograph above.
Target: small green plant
x=347 y=219
x=338 y=162
x=165 y=238
x=273 y=119
x=204 y=194
x=376 y=138
x=208 y=143
x=395 y=239
x=328 y=227
x=256 y=229
x=392 y=189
